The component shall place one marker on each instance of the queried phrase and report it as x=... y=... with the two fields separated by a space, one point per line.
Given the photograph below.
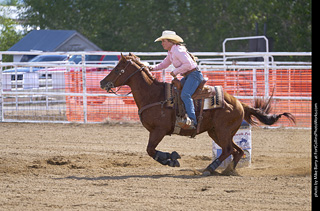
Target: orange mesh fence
x=99 y=108
x=292 y=93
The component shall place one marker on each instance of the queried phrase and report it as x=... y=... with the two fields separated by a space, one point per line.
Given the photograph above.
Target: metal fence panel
x=71 y=93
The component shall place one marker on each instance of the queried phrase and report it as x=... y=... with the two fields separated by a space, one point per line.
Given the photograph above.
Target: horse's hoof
x=174 y=155
x=174 y=163
x=206 y=173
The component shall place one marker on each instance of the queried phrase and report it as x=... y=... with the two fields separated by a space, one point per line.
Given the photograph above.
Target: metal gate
x=68 y=92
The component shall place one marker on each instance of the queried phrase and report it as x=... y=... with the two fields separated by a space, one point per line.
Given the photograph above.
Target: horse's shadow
x=124 y=177
x=197 y=175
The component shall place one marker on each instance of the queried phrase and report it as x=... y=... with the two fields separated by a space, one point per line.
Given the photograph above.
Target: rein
x=151 y=105
x=111 y=84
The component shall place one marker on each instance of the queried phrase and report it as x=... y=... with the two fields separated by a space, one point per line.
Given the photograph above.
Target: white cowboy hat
x=169 y=35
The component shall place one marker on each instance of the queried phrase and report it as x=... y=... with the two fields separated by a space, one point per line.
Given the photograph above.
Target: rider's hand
x=150 y=68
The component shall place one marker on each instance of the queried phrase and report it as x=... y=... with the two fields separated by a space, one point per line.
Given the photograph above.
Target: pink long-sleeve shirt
x=180 y=59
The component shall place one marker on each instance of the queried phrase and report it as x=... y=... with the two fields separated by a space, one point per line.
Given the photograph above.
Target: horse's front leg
x=165 y=158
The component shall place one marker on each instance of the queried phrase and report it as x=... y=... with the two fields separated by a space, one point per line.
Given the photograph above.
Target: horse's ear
x=122 y=57
x=134 y=56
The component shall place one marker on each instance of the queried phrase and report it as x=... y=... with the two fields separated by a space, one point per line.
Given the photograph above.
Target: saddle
x=205 y=97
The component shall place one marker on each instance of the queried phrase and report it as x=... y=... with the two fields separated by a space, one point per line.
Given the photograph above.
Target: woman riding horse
x=221 y=124
x=185 y=65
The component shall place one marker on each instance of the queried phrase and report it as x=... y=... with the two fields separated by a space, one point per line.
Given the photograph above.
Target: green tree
x=8 y=35
x=132 y=25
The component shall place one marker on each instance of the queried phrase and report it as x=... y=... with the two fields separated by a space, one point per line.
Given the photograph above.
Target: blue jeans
x=190 y=84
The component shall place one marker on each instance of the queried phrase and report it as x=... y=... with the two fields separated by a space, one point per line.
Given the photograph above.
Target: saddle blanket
x=213 y=97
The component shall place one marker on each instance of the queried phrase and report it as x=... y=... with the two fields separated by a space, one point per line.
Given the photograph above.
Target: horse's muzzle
x=108 y=86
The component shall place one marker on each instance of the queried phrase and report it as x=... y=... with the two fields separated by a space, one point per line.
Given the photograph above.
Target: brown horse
x=221 y=124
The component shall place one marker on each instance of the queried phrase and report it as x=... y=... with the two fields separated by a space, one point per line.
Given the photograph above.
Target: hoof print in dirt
x=58 y=160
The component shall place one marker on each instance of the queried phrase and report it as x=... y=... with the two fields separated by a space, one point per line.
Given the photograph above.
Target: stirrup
x=187 y=124
x=193 y=125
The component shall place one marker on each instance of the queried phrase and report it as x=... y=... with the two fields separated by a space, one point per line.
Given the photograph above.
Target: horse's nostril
x=109 y=85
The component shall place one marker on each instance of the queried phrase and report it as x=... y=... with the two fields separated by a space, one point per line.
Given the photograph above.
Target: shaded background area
x=125 y=25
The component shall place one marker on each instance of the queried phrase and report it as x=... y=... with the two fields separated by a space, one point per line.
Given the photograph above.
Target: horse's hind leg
x=237 y=154
x=225 y=142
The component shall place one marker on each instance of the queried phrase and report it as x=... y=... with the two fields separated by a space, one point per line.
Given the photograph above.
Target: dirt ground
x=106 y=167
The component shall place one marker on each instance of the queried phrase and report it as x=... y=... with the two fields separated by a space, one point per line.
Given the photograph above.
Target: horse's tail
x=261 y=111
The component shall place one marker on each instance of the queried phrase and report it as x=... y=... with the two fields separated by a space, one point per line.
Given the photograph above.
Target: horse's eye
x=121 y=71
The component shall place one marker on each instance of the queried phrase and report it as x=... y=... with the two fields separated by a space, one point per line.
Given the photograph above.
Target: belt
x=190 y=71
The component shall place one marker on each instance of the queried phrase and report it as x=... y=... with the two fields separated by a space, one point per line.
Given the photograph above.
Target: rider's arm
x=163 y=65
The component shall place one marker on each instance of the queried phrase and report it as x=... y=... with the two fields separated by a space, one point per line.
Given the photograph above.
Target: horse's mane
x=146 y=70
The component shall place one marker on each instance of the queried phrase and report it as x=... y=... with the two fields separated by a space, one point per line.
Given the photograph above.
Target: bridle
x=110 y=84
x=122 y=71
